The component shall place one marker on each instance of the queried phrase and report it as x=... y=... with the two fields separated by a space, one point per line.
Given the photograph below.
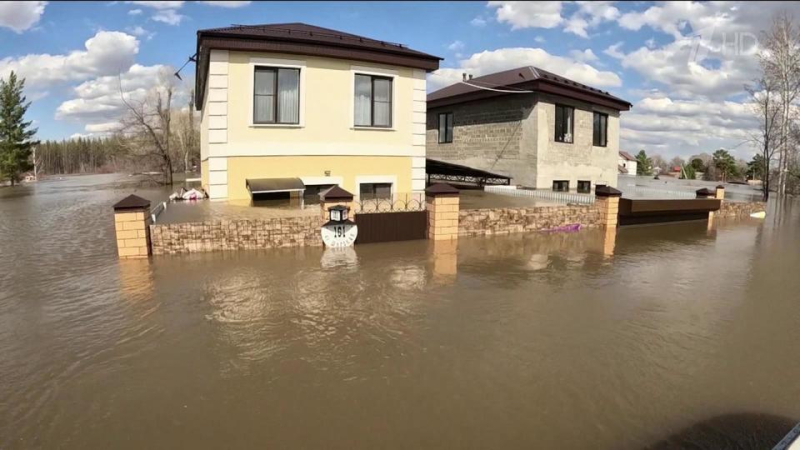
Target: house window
x=276 y=96
x=600 y=127
x=373 y=101
x=561 y=185
x=445 y=128
x=584 y=187
x=565 y=118
x=311 y=194
x=375 y=190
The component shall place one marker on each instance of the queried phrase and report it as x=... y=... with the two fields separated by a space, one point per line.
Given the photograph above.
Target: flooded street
x=681 y=336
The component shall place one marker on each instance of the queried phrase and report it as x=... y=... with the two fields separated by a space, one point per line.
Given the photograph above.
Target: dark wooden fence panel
x=391 y=226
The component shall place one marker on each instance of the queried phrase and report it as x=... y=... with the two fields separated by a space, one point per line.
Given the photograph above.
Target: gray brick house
x=549 y=133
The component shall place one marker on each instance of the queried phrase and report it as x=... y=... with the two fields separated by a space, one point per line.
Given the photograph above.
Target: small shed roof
x=269 y=185
x=626 y=156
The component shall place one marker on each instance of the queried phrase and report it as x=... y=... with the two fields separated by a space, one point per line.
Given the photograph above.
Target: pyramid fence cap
x=607 y=191
x=441 y=189
x=335 y=193
x=132 y=202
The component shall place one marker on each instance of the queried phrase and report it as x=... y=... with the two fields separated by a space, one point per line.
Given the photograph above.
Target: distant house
x=291 y=109
x=627 y=162
x=543 y=130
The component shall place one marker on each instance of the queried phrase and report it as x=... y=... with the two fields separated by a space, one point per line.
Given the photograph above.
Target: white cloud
x=589 y=15
x=539 y=39
x=164 y=12
x=158 y=4
x=107 y=52
x=20 y=16
x=479 y=22
x=686 y=127
x=140 y=32
x=528 y=14
x=456 y=46
x=98 y=103
x=548 y=15
x=492 y=61
x=134 y=12
x=688 y=67
x=225 y=4
x=614 y=52
x=585 y=55
x=168 y=16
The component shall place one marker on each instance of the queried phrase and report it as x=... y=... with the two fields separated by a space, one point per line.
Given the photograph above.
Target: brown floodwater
x=669 y=337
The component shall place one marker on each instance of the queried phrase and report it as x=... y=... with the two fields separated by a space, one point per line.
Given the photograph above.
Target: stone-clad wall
x=739 y=209
x=171 y=239
x=478 y=222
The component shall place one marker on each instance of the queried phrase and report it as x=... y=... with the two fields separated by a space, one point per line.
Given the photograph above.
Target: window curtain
x=449 y=133
x=363 y=101
x=264 y=97
x=383 y=102
x=289 y=96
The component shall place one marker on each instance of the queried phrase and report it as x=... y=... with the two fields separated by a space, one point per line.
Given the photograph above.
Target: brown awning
x=268 y=185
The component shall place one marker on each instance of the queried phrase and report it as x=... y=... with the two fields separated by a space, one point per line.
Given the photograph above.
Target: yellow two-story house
x=293 y=108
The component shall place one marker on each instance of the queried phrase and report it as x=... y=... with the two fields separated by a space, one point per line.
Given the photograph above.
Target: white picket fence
x=560 y=197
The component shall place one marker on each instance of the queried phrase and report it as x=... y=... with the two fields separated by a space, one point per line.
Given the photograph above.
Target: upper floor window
x=276 y=96
x=373 y=101
x=445 y=128
x=565 y=121
x=600 y=127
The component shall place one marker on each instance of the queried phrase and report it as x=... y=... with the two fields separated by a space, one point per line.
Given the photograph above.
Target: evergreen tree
x=16 y=135
x=644 y=165
x=725 y=164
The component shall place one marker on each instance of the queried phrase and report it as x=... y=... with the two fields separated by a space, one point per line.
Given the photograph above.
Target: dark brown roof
x=132 y=202
x=335 y=193
x=303 y=39
x=440 y=189
x=524 y=78
x=627 y=156
x=606 y=191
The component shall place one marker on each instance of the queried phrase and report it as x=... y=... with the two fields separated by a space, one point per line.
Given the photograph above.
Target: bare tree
x=780 y=62
x=146 y=129
x=187 y=135
x=765 y=104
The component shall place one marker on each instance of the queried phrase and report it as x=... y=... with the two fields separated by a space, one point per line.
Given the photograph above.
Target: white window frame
x=388 y=73
x=280 y=64
x=370 y=179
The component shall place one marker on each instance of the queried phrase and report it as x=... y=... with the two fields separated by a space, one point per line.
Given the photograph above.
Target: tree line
x=721 y=166
x=153 y=136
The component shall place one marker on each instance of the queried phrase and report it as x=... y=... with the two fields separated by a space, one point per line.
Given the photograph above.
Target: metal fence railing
x=158 y=209
x=413 y=201
x=560 y=197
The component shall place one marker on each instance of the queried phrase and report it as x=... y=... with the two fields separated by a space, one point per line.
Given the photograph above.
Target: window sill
x=372 y=128
x=276 y=125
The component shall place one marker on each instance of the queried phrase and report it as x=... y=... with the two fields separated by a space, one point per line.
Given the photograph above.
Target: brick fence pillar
x=336 y=196
x=706 y=193
x=607 y=199
x=132 y=224
x=442 y=204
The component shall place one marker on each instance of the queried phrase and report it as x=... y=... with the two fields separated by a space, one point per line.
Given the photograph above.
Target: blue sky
x=687 y=94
